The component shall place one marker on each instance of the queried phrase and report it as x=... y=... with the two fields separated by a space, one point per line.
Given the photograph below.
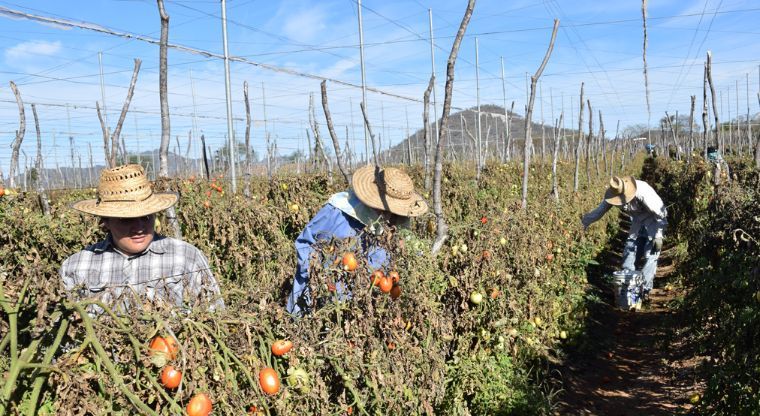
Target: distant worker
x=134 y=263
x=375 y=199
x=648 y=220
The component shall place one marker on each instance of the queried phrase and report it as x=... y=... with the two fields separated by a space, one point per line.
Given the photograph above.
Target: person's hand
x=657 y=246
x=584 y=223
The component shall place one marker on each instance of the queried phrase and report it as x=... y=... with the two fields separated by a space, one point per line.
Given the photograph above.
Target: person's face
x=131 y=235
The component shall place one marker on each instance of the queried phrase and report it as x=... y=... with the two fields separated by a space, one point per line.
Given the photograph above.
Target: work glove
x=657 y=246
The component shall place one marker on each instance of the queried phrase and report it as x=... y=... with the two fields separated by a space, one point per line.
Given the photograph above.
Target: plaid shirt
x=169 y=270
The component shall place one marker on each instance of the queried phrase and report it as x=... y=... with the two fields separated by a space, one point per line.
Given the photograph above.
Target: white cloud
x=31 y=50
x=305 y=25
x=339 y=68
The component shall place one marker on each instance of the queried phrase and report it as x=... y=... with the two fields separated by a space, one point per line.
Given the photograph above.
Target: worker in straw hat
x=378 y=198
x=134 y=263
x=648 y=220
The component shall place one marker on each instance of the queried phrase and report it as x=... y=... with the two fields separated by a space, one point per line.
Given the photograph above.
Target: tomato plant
x=199 y=405
x=349 y=262
x=395 y=291
x=385 y=285
x=166 y=346
x=377 y=276
x=269 y=381
x=171 y=377
x=281 y=347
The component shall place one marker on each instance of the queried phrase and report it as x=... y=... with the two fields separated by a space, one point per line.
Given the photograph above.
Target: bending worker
x=376 y=199
x=648 y=220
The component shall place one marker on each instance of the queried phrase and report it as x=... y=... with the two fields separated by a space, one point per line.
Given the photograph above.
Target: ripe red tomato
x=395 y=291
x=171 y=377
x=200 y=405
x=394 y=276
x=349 y=262
x=386 y=285
x=377 y=276
x=2 y=191
x=164 y=345
x=281 y=347
x=269 y=381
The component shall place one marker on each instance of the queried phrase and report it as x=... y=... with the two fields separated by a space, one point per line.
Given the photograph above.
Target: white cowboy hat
x=388 y=189
x=621 y=190
x=125 y=192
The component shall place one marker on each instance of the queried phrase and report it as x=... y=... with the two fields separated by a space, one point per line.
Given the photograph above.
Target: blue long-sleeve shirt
x=344 y=216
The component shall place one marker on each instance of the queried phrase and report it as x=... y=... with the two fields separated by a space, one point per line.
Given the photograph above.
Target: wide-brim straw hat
x=125 y=192
x=388 y=189
x=621 y=190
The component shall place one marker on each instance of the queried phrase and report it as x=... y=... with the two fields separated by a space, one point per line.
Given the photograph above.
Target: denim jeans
x=640 y=248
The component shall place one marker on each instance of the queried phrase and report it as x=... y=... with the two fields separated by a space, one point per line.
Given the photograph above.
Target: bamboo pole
x=528 y=115
x=16 y=145
x=333 y=135
x=442 y=228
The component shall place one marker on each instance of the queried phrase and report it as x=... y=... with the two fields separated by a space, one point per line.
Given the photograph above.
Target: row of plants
x=469 y=331
x=717 y=231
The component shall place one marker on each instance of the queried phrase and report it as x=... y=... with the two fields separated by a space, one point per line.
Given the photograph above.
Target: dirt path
x=636 y=363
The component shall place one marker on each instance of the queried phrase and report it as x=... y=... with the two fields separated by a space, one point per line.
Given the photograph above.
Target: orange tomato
x=171 y=377
x=164 y=345
x=281 y=347
x=394 y=276
x=207 y=203
x=269 y=381
x=377 y=276
x=199 y=405
x=2 y=191
x=395 y=291
x=349 y=262
x=386 y=285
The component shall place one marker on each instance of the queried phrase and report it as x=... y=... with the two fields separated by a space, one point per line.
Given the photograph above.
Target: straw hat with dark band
x=125 y=192
x=621 y=190
x=390 y=190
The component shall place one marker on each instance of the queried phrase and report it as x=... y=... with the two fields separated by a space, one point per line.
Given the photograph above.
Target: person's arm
x=596 y=214
x=203 y=282
x=67 y=276
x=322 y=226
x=70 y=277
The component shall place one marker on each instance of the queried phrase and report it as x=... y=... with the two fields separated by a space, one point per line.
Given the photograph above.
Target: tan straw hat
x=390 y=190
x=621 y=190
x=125 y=192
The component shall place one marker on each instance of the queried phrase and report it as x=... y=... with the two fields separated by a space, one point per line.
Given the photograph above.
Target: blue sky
x=599 y=44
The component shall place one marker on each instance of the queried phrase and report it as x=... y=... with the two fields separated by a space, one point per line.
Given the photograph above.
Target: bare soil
x=635 y=363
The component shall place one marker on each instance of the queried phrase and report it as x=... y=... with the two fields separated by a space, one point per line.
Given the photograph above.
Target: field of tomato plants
x=717 y=232
x=472 y=332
